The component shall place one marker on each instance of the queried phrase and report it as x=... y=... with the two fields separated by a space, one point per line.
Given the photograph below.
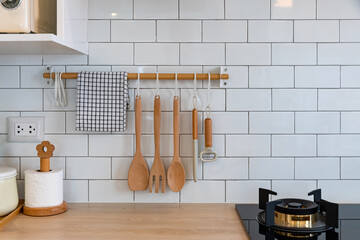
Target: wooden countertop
x=131 y=221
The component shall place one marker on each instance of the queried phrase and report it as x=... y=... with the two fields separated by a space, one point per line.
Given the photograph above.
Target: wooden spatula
x=157 y=169
x=176 y=172
x=138 y=176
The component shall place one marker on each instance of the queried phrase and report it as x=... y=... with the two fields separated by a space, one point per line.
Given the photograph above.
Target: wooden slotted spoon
x=176 y=172
x=138 y=176
x=157 y=169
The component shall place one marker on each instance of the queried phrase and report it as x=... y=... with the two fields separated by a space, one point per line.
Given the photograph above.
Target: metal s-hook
x=157 y=85
x=138 y=85
x=176 y=86
x=208 y=109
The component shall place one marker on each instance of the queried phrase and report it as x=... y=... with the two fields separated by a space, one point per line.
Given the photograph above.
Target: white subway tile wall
x=289 y=119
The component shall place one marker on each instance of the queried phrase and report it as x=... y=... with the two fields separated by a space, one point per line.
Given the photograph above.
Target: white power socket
x=25 y=129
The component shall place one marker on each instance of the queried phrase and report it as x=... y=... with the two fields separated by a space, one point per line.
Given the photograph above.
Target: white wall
x=289 y=119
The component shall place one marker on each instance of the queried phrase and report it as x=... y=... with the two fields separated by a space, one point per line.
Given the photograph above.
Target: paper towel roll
x=43 y=189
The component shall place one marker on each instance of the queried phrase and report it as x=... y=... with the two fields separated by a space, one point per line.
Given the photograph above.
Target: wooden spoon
x=157 y=172
x=176 y=172
x=138 y=176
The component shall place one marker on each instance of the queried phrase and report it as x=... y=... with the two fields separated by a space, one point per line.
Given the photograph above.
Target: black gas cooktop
x=291 y=218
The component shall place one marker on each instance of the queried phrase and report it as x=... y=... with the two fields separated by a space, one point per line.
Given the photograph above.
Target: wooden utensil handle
x=194 y=123
x=176 y=125
x=138 y=122
x=208 y=132
x=157 y=122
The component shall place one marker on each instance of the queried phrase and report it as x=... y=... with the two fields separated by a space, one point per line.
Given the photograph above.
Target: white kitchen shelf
x=39 y=44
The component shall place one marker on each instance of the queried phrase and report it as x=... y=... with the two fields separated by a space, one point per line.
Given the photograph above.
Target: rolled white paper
x=43 y=189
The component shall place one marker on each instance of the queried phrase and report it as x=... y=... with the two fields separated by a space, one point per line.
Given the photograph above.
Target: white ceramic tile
x=76 y=9
x=32 y=76
x=294 y=54
x=338 y=53
x=238 y=76
x=75 y=31
x=96 y=168
x=9 y=77
x=270 y=31
x=349 y=31
x=11 y=162
x=76 y=190
x=99 y=31
x=350 y=77
x=271 y=122
x=109 y=191
x=271 y=77
x=115 y=145
x=294 y=99
x=293 y=189
x=247 y=145
x=202 y=54
x=34 y=163
x=317 y=168
x=132 y=31
x=120 y=167
x=248 y=100
x=338 y=145
x=339 y=99
x=293 y=145
x=3 y=120
x=186 y=145
x=64 y=59
x=229 y=122
x=178 y=31
x=110 y=9
x=203 y=192
x=248 y=54
x=201 y=9
x=244 y=191
x=247 y=9
x=54 y=121
x=350 y=122
x=350 y=168
x=340 y=191
x=316 y=31
x=226 y=168
x=157 y=9
x=110 y=53
x=16 y=149
x=271 y=168
x=293 y=9
x=167 y=197
x=317 y=122
x=31 y=100
x=338 y=9
x=224 y=31
x=156 y=54
x=317 y=77
x=69 y=145
x=217 y=99
x=20 y=59
x=49 y=100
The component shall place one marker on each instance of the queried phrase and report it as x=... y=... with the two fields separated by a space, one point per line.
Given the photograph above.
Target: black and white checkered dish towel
x=102 y=100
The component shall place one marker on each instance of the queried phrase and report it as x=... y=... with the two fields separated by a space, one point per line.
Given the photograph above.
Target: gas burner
x=291 y=218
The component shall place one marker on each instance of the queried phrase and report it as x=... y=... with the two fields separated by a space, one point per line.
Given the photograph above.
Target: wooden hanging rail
x=152 y=76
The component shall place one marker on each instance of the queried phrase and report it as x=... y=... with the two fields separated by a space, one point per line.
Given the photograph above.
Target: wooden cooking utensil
x=195 y=141
x=157 y=169
x=208 y=154
x=138 y=175
x=176 y=172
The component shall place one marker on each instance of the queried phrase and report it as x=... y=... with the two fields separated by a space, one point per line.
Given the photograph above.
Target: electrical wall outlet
x=25 y=129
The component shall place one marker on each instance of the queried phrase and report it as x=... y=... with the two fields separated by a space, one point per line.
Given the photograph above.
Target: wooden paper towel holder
x=45 y=152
